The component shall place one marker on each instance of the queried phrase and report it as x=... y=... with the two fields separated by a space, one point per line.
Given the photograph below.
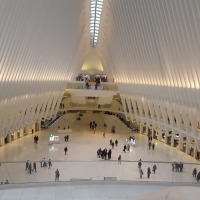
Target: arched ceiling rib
x=40 y=50
x=157 y=40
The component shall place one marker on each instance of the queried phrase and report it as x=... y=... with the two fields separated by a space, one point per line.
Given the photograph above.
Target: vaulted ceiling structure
x=150 y=48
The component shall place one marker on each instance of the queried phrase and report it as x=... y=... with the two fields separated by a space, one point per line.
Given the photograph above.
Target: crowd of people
x=105 y=154
x=177 y=166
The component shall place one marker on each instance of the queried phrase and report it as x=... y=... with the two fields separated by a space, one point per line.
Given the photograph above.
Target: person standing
x=116 y=142
x=148 y=172
x=90 y=125
x=57 y=175
x=104 y=134
x=34 y=167
x=119 y=159
x=65 y=150
x=67 y=138
x=153 y=146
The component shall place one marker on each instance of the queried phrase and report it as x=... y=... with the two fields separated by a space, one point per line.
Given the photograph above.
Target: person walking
x=65 y=150
x=44 y=163
x=148 y=172
x=194 y=173
x=113 y=144
x=150 y=145
x=141 y=173
x=50 y=163
x=198 y=176
x=67 y=138
x=124 y=150
x=140 y=164
x=27 y=164
x=104 y=134
x=154 y=169
x=153 y=146
x=57 y=175
x=30 y=168
x=119 y=159
x=34 y=166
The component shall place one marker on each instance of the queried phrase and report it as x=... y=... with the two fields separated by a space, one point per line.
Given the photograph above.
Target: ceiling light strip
x=95 y=17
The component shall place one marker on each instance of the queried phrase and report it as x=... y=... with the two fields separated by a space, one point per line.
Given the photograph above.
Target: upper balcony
x=91 y=85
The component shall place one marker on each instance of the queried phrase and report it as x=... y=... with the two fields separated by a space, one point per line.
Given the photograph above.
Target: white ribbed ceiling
x=150 y=47
x=153 y=42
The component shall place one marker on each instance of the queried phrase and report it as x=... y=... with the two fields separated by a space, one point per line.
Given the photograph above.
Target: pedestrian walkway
x=81 y=160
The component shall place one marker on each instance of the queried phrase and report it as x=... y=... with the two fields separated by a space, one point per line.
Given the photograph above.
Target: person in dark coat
x=198 y=177
x=149 y=145
x=65 y=150
x=27 y=164
x=30 y=168
x=181 y=166
x=154 y=169
x=124 y=150
x=105 y=153
x=148 y=172
x=113 y=144
x=140 y=164
x=90 y=125
x=153 y=146
x=57 y=175
x=116 y=142
x=194 y=173
x=109 y=154
x=34 y=166
x=119 y=159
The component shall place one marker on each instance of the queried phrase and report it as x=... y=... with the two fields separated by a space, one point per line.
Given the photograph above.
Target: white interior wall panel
x=39 y=44
x=152 y=50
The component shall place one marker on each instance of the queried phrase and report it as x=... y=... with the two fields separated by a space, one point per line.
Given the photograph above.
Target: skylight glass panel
x=95 y=17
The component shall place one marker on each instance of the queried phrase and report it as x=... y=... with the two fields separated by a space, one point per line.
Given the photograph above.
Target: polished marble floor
x=81 y=162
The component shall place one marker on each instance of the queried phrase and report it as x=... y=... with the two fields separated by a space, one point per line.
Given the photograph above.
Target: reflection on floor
x=81 y=162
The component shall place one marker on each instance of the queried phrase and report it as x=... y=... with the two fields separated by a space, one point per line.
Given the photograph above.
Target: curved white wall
x=39 y=53
x=152 y=50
